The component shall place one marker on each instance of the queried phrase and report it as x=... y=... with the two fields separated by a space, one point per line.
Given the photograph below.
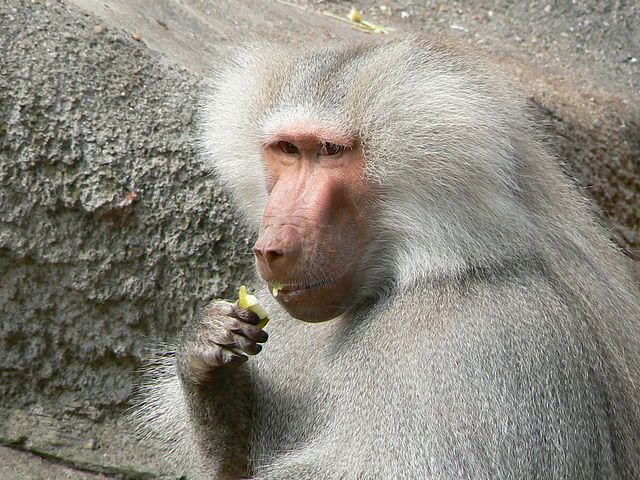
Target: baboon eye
x=288 y=148
x=330 y=149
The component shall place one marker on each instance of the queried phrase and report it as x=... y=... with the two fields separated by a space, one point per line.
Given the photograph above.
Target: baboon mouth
x=288 y=291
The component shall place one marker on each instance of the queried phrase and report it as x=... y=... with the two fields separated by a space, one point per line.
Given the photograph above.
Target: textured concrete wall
x=111 y=231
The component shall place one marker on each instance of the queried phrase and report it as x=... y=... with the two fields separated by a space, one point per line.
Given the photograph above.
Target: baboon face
x=314 y=228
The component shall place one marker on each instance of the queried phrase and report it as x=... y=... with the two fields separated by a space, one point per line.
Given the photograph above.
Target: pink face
x=314 y=227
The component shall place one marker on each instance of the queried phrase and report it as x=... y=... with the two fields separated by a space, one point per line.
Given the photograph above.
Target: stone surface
x=74 y=444
x=111 y=230
x=14 y=463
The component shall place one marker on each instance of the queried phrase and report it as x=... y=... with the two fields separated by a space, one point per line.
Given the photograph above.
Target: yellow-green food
x=355 y=15
x=250 y=302
x=275 y=288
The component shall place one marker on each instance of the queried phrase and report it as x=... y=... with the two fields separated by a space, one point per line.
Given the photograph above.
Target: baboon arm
x=204 y=428
x=219 y=417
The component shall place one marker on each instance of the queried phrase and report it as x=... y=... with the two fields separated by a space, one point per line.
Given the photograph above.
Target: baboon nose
x=277 y=252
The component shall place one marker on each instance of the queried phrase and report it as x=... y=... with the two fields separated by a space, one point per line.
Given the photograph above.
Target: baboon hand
x=223 y=337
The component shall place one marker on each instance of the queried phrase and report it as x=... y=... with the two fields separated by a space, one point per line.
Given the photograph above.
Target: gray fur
x=500 y=333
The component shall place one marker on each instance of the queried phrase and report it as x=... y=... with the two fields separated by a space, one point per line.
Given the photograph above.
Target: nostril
x=268 y=255
x=271 y=255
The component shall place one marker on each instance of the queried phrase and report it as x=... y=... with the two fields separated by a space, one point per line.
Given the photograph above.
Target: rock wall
x=111 y=230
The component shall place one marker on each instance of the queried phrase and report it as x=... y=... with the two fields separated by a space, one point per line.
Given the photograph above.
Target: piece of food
x=275 y=288
x=355 y=15
x=250 y=302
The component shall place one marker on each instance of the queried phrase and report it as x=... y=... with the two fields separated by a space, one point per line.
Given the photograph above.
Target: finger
x=245 y=345
x=218 y=308
x=250 y=331
x=246 y=315
x=223 y=336
x=238 y=343
x=232 y=357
